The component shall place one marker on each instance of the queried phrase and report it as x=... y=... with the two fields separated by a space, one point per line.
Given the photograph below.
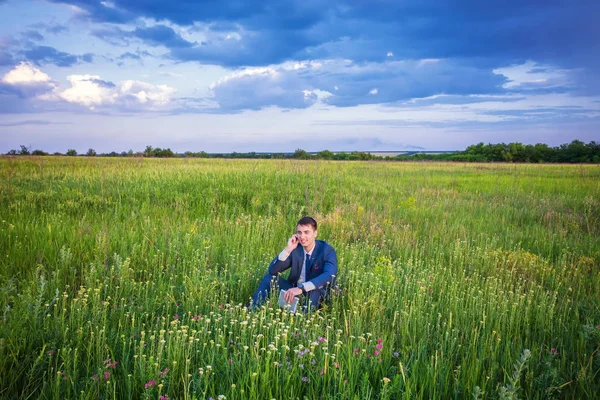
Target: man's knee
x=315 y=297
x=268 y=280
x=264 y=288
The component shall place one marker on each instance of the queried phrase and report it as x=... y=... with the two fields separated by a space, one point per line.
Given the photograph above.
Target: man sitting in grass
x=313 y=268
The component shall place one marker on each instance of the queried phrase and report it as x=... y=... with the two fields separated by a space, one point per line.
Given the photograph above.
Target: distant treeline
x=574 y=152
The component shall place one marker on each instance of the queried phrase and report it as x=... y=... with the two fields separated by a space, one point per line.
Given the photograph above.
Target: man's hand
x=291 y=293
x=292 y=244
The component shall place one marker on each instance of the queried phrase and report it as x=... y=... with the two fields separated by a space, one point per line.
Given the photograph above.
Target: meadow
x=127 y=279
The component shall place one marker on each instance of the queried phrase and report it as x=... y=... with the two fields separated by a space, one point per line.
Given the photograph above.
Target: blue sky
x=278 y=75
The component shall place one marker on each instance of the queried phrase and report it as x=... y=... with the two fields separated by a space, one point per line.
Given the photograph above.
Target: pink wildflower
x=149 y=384
x=377 y=352
x=106 y=375
x=356 y=351
x=51 y=353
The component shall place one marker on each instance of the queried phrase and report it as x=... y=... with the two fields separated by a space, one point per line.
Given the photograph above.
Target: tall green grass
x=126 y=278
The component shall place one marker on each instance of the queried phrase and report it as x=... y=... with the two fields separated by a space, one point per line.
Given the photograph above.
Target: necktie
x=305 y=269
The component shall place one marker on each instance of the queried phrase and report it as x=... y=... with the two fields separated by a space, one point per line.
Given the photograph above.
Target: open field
x=125 y=278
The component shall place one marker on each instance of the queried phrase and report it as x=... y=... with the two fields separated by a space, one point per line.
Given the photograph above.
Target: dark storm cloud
x=32 y=35
x=161 y=35
x=6 y=58
x=137 y=56
x=345 y=84
x=41 y=55
x=251 y=49
x=558 y=32
x=113 y=35
x=129 y=56
x=285 y=14
x=157 y=35
x=54 y=29
x=102 y=83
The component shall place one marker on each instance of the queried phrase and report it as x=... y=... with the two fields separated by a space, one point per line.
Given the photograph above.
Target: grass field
x=126 y=278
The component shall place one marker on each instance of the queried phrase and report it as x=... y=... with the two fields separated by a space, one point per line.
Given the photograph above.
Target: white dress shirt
x=308 y=286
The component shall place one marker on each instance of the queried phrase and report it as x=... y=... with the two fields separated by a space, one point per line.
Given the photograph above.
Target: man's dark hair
x=308 y=221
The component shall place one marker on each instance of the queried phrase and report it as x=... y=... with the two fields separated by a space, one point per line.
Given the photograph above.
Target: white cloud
x=316 y=94
x=91 y=91
x=27 y=81
x=534 y=75
x=25 y=73
x=248 y=72
x=234 y=36
x=373 y=91
x=390 y=54
x=85 y=90
x=78 y=11
x=282 y=85
x=146 y=93
x=425 y=61
x=268 y=72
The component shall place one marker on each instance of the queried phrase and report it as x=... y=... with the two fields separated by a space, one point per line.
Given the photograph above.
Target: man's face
x=306 y=236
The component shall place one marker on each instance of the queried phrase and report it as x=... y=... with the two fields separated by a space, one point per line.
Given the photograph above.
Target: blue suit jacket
x=322 y=267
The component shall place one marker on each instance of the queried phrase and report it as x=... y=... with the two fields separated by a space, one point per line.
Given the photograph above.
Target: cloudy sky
x=277 y=75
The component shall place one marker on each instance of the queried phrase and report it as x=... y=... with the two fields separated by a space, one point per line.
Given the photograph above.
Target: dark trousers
x=313 y=298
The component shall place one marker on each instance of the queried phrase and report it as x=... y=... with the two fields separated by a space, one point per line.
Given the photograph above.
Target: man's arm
x=283 y=261
x=280 y=263
x=330 y=268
